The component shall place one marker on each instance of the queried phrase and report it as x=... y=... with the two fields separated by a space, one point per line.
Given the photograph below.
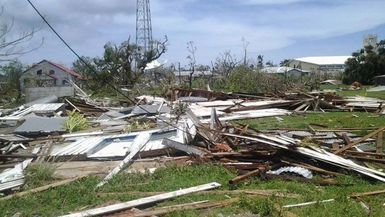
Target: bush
x=75 y=122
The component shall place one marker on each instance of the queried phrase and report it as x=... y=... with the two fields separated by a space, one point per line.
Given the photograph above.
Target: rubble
x=201 y=130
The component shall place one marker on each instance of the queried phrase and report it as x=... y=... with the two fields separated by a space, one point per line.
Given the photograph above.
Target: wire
x=93 y=71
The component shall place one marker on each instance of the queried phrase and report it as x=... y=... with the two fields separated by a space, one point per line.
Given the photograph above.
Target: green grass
x=38 y=174
x=82 y=194
x=329 y=119
x=343 y=90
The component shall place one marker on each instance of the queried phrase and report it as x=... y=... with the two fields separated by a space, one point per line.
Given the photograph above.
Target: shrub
x=75 y=122
x=39 y=174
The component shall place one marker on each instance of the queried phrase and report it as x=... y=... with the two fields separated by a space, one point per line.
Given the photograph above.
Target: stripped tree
x=12 y=46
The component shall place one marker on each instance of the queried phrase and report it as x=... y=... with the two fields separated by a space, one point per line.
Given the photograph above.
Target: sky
x=276 y=29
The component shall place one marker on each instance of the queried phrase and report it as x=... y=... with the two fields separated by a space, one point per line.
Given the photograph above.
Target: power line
x=92 y=69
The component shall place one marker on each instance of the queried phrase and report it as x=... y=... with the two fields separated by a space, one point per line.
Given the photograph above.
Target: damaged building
x=48 y=78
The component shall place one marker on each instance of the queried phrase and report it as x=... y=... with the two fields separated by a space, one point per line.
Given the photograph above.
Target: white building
x=47 y=74
x=47 y=78
x=321 y=64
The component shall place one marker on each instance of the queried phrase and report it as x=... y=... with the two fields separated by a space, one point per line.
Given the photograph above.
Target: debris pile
x=195 y=125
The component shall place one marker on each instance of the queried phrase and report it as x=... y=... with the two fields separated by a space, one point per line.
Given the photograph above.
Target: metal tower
x=143 y=26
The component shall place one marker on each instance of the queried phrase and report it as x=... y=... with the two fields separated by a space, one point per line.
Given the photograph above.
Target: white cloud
x=214 y=26
x=271 y=2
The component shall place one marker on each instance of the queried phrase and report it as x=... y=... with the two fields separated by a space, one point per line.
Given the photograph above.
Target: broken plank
x=18 y=155
x=42 y=188
x=351 y=145
x=311 y=167
x=73 y=106
x=253 y=192
x=370 y=193
x=194 y=205
x=364 y=153
x=139 y=142
x=367 y=159
x=380 y=142
x=241 y=178
x=142 y=201
x=308 y=203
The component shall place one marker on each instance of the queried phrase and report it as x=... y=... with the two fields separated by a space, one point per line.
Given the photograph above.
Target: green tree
x=247 y=80
x=12 y=73
x=284 y=62
x=365 y=64
x=121 y=65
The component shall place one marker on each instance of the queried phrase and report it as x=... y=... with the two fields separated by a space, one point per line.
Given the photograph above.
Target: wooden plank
x=142 y=201
x=311 y=167
x=241 y=178
x=18 y=155
x=351 y=145
x=254 y=192
x=370 y=193
x=194 y=205
x=380 y=142
x=42 y=188
x=367 y=159
x=308 y=203
x=73 y=106
x=139 y=142
x=365 y=153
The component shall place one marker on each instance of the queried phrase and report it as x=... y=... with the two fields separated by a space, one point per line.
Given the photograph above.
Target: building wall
x=304 y=66
x=45 y=68
x=40 y=92
x=329 y=69
x=296 y=73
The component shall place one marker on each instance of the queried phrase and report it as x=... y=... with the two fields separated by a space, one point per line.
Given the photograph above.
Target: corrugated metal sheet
x=115 y=146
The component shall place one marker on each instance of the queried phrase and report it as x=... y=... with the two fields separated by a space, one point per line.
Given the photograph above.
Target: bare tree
x=192 y=61
x=225 y=63
x=13 y=47
x=159 y=48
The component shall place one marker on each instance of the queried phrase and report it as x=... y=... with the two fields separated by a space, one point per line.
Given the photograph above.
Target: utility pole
x=180 y=79
x=143 y=26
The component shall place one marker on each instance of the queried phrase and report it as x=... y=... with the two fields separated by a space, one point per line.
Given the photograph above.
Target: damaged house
x=48 y=78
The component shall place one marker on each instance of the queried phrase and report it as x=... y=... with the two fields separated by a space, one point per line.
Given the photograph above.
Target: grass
x=329 y=119
x=39 y=174
x=343 y=90
x=82 y=194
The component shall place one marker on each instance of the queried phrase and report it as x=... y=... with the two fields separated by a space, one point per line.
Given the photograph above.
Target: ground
x=83 y=195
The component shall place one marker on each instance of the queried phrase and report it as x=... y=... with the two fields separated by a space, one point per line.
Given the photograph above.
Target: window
x=39 y=72
x=65 y=82
x=51 y=72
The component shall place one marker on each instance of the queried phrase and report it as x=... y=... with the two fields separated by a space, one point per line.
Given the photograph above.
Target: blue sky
x=277 y=29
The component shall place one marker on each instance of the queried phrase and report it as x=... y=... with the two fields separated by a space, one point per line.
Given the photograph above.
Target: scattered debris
x=143 y=201
x=192 y=126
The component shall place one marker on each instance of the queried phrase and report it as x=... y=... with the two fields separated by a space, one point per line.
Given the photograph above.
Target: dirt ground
x=72 y=169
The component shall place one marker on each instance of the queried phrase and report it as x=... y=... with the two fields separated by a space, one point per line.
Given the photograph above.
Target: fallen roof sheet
x=150 y=109
x=42 y=125
x=99 y=147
